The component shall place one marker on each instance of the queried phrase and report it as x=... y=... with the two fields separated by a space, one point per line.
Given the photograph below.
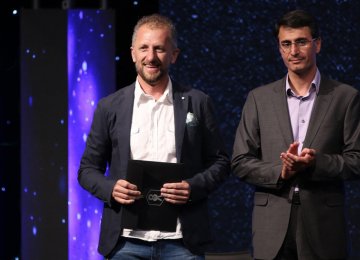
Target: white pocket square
x=191 y=119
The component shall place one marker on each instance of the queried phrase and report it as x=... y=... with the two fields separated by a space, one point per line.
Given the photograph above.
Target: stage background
x=227 y=50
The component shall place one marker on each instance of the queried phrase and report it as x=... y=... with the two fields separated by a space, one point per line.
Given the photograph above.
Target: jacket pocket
x=261 y=199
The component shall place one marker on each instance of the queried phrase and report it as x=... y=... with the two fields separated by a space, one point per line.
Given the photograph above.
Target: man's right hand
x=293 y=163
x=125 y=193
x=286 y=171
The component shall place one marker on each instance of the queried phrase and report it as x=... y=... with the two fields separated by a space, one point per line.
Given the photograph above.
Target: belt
x=294 y=196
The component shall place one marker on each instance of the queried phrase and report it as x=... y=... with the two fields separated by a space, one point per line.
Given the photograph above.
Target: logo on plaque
x=154 y=198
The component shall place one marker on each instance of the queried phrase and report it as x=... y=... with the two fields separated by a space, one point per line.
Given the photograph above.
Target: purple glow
x=34 y=231
x=91 y=75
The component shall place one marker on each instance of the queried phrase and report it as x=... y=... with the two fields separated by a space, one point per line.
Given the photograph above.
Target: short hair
x=157 y=21
x=297 y=19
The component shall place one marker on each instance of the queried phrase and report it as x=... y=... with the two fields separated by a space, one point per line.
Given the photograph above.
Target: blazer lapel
x=282 y=112
x=322 y=102
x=124 y=114
x=181 y=103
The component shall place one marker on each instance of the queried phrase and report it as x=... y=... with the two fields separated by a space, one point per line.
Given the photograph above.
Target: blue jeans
x=131 y=249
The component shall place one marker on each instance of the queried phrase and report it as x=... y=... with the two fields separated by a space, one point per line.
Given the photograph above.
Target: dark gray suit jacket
x=198 y=146
x=334 y=132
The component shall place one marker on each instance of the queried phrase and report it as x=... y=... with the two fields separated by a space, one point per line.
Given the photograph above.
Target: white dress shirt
x=153 y=139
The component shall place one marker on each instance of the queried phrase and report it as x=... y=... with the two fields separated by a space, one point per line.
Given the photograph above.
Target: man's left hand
x=176 y=193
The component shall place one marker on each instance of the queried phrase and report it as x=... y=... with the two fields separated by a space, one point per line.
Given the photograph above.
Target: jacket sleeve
x=95 y=159
x=343 y=164
x=247 y=160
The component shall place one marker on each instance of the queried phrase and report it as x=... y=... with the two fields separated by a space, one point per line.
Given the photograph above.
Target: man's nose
x=151 y=54
x=294 y=48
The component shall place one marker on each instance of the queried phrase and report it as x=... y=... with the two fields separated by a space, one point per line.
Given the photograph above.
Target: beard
x=150 y=78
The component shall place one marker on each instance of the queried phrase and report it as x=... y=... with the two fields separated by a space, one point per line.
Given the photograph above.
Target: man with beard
x=297 y=141
x=154 y=119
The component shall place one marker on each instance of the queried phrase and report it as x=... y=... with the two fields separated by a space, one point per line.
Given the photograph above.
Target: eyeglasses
x=301 y=44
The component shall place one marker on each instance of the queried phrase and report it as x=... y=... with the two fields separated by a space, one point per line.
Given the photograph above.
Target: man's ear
x=175 y=55
x=318 y=45
x=132 y=54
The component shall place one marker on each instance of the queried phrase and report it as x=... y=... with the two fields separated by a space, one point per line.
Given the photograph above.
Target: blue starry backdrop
x=228 y=49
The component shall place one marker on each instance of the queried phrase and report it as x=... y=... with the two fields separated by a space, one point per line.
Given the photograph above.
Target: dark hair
x=297 y=19
x=157 y=21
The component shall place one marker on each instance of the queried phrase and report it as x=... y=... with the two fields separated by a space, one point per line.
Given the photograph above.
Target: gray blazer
x=198 y=145
x=265 y=131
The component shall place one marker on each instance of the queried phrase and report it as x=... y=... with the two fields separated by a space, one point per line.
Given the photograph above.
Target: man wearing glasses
x=297 y=141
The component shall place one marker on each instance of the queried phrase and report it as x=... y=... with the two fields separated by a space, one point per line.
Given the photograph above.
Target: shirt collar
x=140 y=95
x=315 y=83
